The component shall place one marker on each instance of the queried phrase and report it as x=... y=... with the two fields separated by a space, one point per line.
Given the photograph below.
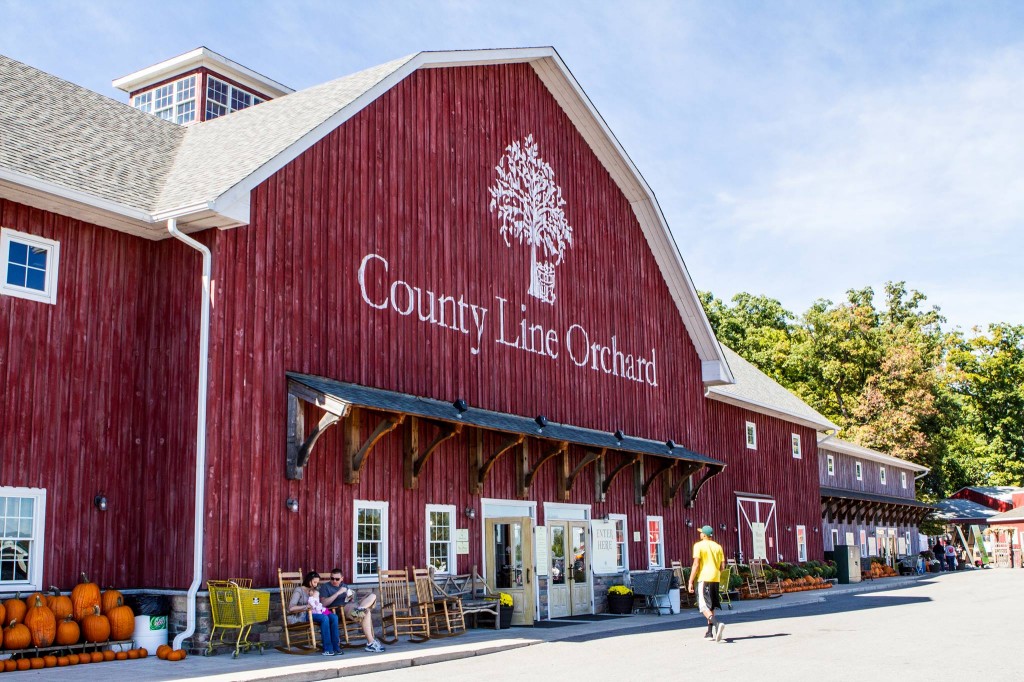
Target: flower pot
x=620 y=603
x=505 y=618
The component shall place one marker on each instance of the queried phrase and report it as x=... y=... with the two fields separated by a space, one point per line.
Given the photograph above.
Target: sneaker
x=327 y=653
x=709 y=636
x=719 y=631
x=375 y=647
x=357 y=613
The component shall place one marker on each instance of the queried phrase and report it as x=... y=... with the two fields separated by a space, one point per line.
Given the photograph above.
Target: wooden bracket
x=479 y=467
x=529 y=474
x=299 y=446
x=691 y=493
x=356 y=454
x=570 y=478
x=665 y=468
x=613 y=474
x=599 y=474
x=416 y=460
x=671 y=488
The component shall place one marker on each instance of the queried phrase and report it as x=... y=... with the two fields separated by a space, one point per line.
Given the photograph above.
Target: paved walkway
x=273 y=665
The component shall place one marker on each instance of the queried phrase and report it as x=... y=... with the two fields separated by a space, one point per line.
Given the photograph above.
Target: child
x=314 y=603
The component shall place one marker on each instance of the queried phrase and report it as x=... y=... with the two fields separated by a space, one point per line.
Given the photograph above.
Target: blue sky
x=797 y=149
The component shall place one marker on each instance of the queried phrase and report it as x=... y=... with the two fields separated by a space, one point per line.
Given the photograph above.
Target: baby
x=314 y=603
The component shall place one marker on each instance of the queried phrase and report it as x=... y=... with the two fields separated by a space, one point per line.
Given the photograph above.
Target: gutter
x=200 y=502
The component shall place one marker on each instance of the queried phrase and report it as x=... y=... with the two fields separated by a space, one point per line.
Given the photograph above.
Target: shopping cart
x=235 y=606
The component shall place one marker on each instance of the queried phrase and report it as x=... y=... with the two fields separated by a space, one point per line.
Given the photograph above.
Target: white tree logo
x=529 y=204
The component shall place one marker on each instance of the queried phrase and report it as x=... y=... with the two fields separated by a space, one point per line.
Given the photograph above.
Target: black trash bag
x=674 y=584
x=149 y=604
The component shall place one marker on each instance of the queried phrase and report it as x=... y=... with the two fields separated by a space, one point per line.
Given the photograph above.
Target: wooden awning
x=851 y=506
x=673 y=464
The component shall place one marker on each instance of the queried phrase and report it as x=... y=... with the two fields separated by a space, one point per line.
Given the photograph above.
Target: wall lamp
x=541 y=420
x=460 y=405
x=292 y=504
x=470 y=513
x=101 y=502
x=619 y=435
x=789 y=528
x=689 y=523
x=670 y=444
x=723 y=527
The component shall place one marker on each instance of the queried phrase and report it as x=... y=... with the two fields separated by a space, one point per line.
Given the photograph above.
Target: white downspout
x=200 y=505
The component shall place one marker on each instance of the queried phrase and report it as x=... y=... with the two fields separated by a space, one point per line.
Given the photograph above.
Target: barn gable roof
x=145 y=171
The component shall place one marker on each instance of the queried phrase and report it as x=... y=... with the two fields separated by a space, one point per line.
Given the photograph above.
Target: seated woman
x=305 y=602
x=337 y=593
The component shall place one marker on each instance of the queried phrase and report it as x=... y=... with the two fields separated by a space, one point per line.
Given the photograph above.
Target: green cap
x=707 y=530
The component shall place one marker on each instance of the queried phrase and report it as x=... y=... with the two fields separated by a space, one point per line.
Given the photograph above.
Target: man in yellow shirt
x=708 y=562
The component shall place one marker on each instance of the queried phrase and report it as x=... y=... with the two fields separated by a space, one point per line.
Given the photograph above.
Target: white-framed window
x=751 y=436
x=369 y=539
x=175 y=101
x=835 y=537
x=831 y=463
x=859 y=471
x=621 y=546
x=801 y=543
x=863 y=543
x=797 y=454
x=223 y=98
x=655 y=542
x=881 y=475
x=28 y=266
x=22 y=528
x=441 y=537
x=903 y=480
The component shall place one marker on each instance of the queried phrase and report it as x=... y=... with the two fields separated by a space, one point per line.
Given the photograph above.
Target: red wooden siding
x=846 y=475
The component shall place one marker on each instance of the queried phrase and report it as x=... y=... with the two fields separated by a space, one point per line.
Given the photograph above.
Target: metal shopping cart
x=235 y=606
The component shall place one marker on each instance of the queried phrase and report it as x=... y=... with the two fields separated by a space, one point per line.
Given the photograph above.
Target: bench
x=477 y=596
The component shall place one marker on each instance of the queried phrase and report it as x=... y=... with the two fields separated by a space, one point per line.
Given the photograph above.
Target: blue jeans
x=329 y=630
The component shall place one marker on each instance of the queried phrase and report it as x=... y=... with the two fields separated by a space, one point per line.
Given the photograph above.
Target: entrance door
x=569 y=587
x=509 y=547
x=758 y=533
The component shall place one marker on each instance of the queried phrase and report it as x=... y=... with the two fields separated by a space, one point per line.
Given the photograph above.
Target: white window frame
x=451 y=559
x=881 y=475
x=801 y=547
x=751 y=435
x=831 y=465
x=178 y=111
x=382 y=559
x=835 y=537
x=863 y=542
x=903 y=480
x=660 y=544
x=231 y=90
x=624 y=545
x=797 y=452
x=859 y=470
x=35 y=571
x=49 y=293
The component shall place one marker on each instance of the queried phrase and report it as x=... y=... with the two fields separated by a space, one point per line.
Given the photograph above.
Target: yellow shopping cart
x=235 y=606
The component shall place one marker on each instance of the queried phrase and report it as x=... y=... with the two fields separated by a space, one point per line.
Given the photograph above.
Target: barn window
x=903 y=480
x=751 y=436
x=174 y=101
x=801 y=543
x=835 y=537
x=621 y=546
x=860 y=471
x=22 y=526
x=831 y=465
x=28 y=265
x=881 y=475
x=223 y=98
x=371 y=539
x=797 y=454
x=441 y=537
x=655 y=542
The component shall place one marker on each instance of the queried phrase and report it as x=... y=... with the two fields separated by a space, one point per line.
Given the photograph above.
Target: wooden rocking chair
x=444 y=611
x=398 y=614
x=351 y=631
x=759 y=581
x=301 y=637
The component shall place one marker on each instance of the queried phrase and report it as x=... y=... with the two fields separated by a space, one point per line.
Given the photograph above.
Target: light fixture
x=541 y=420
x=670 y=444
x=101 y=502
x=789 y=528
x=292 y=504
x=815 y=529
x=689 y=523
x=619 y=435
x=460 y=405
x=470 y=513
x=723 y=527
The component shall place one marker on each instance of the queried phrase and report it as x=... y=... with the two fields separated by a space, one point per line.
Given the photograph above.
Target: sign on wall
x=540 y=551
x=760 y=548
x=462 y=541
x=605 y=550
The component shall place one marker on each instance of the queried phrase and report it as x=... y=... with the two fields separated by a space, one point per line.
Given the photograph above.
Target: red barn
x=428 y=313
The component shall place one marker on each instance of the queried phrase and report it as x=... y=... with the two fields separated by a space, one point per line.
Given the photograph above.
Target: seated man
x=335 y=593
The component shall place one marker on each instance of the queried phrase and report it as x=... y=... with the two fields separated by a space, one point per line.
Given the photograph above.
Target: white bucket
x=150 y=632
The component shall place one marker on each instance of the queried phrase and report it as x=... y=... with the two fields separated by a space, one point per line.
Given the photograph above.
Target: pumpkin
x=35 y=663
x=50 y=661
x=95 y=626
x=23 y=664
x=68 y=632
x=96 y=657
x=162 y=651
x=133 y=654
x=3 y=613
x=176 y=655
x=59 y=604
x=72 y=659
x=14 y=609
x=84 y=597
x=84 y=658
x=121 y=656
x=110 y=599
x=40 y=623
x=10 y=665
x=17 y=636
x=122 y=621
x=62 y=661
x=108 y=655
x=143 y=652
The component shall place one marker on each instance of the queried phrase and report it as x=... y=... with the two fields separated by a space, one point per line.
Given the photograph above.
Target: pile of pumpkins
x=882 y=570
x=810 y=582
x=53 y=620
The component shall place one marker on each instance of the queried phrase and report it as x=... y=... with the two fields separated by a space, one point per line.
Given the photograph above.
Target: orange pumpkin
x=72 y=659
x=59 y=604
x=95 y=626
x=121 y=655
x=23 y=664
x=3 y=613
x=17 y=636
x=162 y=651
x=62 y=661
x=10 y=665
x=84 y=658
x=110 y=599
x=41 y=623
x=143 y=652
x=84 y=597
x=122 y=621
x=108 y=655
x=176 y=655
x=50 y=661
x=133 y=654
x=14 y=609
x=68 y=632
x=35 y=663
x=96 y=657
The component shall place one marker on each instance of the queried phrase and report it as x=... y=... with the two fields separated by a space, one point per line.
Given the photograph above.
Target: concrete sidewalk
x=273 y=665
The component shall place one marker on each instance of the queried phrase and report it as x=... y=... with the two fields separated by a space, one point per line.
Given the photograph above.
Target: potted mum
x=620 y=599
x=505 y=599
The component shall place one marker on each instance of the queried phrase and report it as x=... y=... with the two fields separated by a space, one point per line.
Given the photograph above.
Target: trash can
x=151 y=614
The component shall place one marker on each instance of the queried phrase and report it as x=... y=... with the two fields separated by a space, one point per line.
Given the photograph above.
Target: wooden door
x=581 y=589
x=559 y=575
x=509 y=547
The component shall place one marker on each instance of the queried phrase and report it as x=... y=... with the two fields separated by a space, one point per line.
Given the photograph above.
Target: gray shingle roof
x=757 y=389
x=962 y=510
x=64 y=134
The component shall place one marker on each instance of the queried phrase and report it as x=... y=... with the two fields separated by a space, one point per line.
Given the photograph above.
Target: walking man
x=708 y=562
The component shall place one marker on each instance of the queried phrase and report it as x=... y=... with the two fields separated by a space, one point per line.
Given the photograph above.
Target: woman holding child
x=306 y=600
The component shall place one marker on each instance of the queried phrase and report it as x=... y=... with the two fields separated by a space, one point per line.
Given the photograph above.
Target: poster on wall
x=801 y=543
x=850 y=539
x=540 y=552
x=604 y=551
x=462 y=541
x=872 y=546
x=760 y=548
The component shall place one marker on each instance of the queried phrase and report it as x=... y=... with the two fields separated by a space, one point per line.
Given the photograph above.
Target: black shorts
x=707 y=596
